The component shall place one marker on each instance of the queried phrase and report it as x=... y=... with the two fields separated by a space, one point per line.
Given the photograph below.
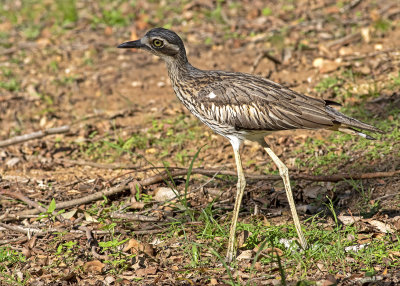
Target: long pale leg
x=239 y=195
x=284 y=172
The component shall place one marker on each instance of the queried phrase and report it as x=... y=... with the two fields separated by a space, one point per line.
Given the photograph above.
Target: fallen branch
x=93 y=197
x=135 y=217
x=316 y=178
x=29 y=202
x=24 y=230
x=12 y=240
x=123 y=186
x=34 y=135
x=345 y=40
x=95 y=165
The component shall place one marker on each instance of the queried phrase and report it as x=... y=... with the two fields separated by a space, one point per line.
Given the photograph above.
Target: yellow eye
x=158 y=43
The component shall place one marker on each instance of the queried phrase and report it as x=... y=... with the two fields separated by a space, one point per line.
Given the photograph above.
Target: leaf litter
x=59 y=69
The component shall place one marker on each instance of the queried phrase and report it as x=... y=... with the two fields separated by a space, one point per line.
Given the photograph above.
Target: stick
x=135 y=217
x=345 y=40
x=262 y=55
x=316 y=178
x=95 y=165
x=121 y=187
x=23 y=230
x=93 y=197
x=34 y=135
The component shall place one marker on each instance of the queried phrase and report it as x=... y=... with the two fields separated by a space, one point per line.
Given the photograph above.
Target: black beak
x=132 y=44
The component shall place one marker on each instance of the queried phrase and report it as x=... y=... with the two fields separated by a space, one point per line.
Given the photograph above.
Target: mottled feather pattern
x=247 y=105
x=242 y=102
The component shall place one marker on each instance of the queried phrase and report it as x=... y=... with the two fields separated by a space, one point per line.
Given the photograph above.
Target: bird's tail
x=347 y=124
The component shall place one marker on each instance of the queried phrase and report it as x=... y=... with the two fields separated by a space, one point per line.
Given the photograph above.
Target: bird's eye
x=158 y=43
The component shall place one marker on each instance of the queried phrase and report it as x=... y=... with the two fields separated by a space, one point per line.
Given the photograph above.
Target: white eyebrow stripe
x=212 y=95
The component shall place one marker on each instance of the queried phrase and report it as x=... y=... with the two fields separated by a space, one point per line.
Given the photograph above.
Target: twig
x=343 y=177
x=209 y=172
x=93 y=197
x=373 y=54
x=316 y=178
x=95 y=165
x=17 y=239
x=22 y=197
x=350 y=6
x=345 y=40
x=150 y=231
x=28 y=231
x=93 y=244
x=264 y=54
x=34 y=135
x=135 y=217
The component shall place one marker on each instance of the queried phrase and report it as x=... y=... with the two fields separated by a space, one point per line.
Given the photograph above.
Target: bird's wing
x=253 y=103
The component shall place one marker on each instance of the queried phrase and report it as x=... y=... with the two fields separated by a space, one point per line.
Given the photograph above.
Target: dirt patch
x=63 y=68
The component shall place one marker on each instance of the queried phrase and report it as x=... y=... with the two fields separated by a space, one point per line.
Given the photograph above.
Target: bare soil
x=79 y=78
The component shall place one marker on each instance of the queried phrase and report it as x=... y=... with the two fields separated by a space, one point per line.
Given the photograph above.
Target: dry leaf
x=146 y=271
x=137 y=205
x=108 y=31
x=348 y=220
x=381 y=226
x=89 y=218
x=137 y=247
x=365 y=34
x=245 y=255
x=345 y=51
x=93 y=266
x=213 y=281
x=326 y=66
x=394 y=253
x=151 y=151
x=163 y=194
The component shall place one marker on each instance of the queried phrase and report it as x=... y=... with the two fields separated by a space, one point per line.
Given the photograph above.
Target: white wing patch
x=212 y=95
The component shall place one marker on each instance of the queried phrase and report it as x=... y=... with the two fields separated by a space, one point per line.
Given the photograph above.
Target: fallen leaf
x=151 y=151
x=93 y=266
x=348 y=220
x=245 y=255
x=163 y=194
x=137 y=247
x=326 y=66
x=345 y=51
x=70 y=214
x=89 y=218
x=213 y=281
x=365 y=34
x=108 y=31
x=395 y=253
x=137 y=205
x=381 y=226
x=146 y=271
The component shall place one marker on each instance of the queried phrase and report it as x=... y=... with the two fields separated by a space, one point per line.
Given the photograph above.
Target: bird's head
x=162 y=42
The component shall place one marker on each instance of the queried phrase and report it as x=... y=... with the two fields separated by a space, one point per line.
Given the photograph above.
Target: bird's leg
x=239 y=195
x=284 y=172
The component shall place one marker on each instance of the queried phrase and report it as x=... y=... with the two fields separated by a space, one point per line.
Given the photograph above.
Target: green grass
x=331 y=247
x=10 y=260
x=162 y=137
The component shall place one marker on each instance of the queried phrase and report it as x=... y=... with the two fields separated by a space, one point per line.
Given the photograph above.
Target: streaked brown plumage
x=241 y=106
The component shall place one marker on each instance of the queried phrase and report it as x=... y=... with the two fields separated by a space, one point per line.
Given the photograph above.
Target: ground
x=60 y=67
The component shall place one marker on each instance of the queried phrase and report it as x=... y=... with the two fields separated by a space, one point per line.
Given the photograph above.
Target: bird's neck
x=182 y=75
x=178 y=68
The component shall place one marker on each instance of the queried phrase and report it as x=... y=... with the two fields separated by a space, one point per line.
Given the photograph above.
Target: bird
x=240 y=106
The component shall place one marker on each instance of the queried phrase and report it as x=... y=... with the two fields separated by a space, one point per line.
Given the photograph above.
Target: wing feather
x=255 y=103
